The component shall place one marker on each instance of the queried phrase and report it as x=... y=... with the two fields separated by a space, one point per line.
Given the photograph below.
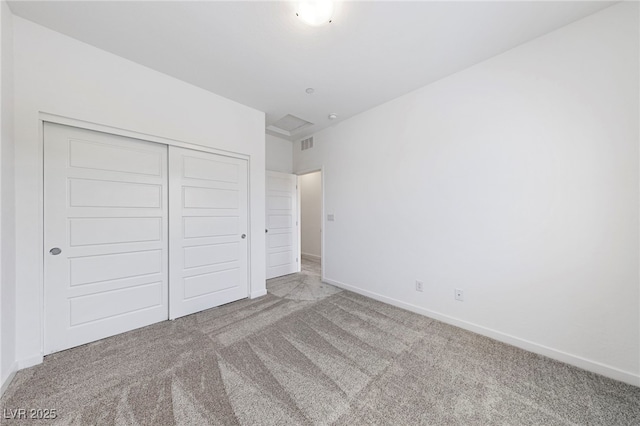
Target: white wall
x=7 y=213
x=310 y=214
x=279 y=154
x=58 y=75
x=515 y=180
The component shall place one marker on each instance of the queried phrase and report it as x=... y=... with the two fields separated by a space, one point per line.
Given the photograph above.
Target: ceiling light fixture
x=333 y=116
x=315 y=12
x=310 y=91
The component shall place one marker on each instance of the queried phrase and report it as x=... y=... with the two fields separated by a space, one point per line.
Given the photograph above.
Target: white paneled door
x=209 y=230
x=136 y=233
x=105 y=239
x=282 y=227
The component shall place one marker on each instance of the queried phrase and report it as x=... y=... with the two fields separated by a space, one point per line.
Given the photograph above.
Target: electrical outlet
x=459 y=295
x=419 y=286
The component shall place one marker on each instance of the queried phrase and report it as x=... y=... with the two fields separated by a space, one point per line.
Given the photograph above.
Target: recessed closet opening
x=137 y=232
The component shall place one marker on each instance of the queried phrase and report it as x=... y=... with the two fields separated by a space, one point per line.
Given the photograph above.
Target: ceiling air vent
x=307 y=143
x=288 y=125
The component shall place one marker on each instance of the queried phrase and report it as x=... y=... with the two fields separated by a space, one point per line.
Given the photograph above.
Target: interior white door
x=282 y=226
x=105 y=235
x=208 y=213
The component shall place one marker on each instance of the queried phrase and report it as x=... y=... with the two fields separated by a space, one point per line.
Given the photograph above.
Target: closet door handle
x=55 y=251
x=243 y=236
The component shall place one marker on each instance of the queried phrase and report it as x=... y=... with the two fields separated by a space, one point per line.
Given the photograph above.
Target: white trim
x=30 y=362
x=7 y=381
x=81 y=124
x=258 y=293
x=577 y=361
x=313 y=257
x=299 y=220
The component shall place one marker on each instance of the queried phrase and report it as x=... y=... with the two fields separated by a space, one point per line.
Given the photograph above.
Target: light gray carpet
x=304 y=286
x=308 y=353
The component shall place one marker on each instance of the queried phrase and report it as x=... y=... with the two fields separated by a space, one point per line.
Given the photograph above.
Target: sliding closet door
x=208 y=211
x=105 y=235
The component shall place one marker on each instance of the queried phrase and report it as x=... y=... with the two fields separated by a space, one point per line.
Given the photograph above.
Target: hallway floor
x=306 y=285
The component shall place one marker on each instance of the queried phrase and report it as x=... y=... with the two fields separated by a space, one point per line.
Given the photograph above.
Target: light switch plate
x=331 y=218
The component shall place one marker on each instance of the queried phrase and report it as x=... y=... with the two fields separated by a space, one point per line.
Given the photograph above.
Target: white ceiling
x=261 y=55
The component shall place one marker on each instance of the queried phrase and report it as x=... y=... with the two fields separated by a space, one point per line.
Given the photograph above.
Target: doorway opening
x=306 y=242
x=310 y=196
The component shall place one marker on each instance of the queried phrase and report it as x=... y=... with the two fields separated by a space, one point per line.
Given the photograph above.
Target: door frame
x=44 y=117
x=323 y=220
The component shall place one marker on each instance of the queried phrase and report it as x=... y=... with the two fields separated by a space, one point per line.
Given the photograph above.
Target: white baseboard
x=310 y=257
x=577 y=361
x=30 y=362
x=258 y=293
x=7 y=380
